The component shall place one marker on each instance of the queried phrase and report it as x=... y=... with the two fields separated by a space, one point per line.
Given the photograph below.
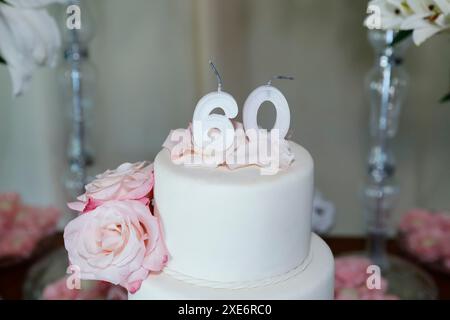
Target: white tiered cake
x=232 y=213
x=237 y=234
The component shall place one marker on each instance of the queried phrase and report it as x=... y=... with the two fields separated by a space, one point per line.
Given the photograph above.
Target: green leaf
x=2 y=60
x=445 y=98
x=401 y=35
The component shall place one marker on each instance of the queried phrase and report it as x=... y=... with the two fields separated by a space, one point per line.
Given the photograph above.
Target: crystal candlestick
x=78 y=83
x=386 y=85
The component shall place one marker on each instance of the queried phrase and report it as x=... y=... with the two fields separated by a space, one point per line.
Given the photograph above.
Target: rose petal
x=119 y=242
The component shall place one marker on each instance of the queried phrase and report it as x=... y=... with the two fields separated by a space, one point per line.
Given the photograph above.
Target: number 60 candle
x=203 y=121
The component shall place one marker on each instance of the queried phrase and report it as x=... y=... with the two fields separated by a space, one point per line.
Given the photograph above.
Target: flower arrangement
x=426 y=236
x=420 y=18
x=23 y=226
x=350 y=281
x=29 y=37
x=116 y=238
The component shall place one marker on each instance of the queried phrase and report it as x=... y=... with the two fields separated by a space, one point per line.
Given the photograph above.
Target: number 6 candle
x=271 y=94
x=203 y=121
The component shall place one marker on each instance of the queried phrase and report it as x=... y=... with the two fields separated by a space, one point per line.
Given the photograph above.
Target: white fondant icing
x=241 y=284
x=226 y=226
x=314 y=282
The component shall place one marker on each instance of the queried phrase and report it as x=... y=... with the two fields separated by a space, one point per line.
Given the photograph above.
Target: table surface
x=12 y=278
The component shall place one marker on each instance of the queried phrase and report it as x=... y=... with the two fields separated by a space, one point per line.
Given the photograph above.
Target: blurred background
x=151 y=63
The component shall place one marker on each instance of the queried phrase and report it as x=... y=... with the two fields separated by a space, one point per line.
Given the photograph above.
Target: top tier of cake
x=227 y=225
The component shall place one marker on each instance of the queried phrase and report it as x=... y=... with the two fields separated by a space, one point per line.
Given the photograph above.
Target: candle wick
x=269 y=83
x=218 y=76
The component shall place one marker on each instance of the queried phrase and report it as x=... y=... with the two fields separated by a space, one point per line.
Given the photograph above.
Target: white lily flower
x=422 y=28
x=425 y=7
x=424 y=17
x=430 y=17
x=28 y=38
x=444 y=6
x=388 y=13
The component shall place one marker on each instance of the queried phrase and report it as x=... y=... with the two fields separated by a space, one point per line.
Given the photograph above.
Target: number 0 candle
x=267 y=93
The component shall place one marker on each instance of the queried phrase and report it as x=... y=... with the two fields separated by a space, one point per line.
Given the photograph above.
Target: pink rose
x=416 y=219
x=242 y=153
x=18 y=242
x=42 y=221
x=46 y=218
x=350 y=280
x=127 y=182
x=351 y=271
x=118 y=242
x=425 y=244
x=182 y=149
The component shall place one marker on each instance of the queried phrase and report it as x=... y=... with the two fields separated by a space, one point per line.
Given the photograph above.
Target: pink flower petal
x=127 y=182
x=119 y=242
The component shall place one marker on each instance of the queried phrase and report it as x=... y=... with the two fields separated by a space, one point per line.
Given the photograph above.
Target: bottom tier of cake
x=312 y=281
